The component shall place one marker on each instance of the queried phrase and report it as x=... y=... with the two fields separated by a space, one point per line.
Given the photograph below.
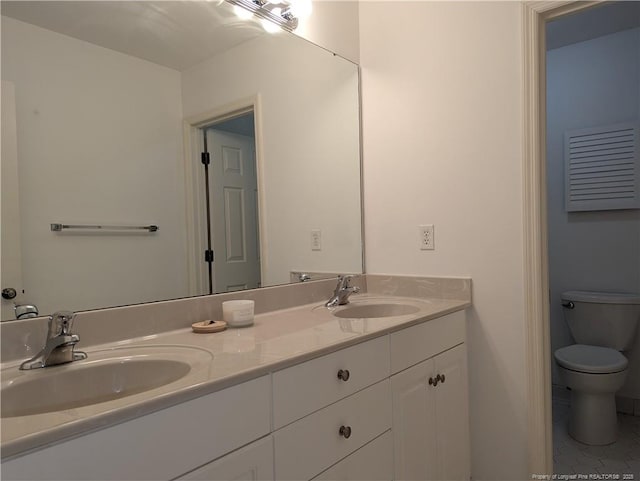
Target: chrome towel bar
x=61 y=227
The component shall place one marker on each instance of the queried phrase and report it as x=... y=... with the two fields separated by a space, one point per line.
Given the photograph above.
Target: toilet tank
x=604 y=319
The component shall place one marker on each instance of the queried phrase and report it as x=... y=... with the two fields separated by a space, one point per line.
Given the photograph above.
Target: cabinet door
x=251 y=463
x=414 y=423
x=452 y=414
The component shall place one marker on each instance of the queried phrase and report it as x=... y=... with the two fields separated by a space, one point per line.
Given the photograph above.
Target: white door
x=234 y=211
x=414 y=427
x=11 y=252
x=452 y=414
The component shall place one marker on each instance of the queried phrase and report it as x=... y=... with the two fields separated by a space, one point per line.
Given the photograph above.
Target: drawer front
x=373 y=462
x=160 y=445
x=307 y=387
x=253 y=462
x=417 y=343
x=307 y=447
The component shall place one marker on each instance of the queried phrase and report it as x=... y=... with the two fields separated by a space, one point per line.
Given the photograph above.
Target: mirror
x=105 y=110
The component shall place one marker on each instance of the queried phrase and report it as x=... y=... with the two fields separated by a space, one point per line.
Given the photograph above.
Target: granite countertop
x=277 y=339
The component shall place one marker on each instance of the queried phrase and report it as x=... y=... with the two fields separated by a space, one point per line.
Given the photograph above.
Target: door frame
x=535 y=15
x=193 y=145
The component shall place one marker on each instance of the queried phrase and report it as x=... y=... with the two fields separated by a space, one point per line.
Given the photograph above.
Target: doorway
x=227 y=175
x=536 y=281
x=593 y=237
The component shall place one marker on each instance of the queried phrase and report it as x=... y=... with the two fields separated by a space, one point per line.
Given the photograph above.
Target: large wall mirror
x=107 y=109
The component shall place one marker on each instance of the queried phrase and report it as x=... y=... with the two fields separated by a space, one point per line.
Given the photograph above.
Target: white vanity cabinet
x=430 y=402
x=367 y=411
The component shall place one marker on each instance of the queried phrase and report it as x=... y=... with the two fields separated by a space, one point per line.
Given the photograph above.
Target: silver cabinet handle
x=434 y=382
x=345 y=431
x=344 y=374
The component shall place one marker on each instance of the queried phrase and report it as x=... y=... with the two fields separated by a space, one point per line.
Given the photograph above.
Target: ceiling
x=176 y=34
x=593 y=23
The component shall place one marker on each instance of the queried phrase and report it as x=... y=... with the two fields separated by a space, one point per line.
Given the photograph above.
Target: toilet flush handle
x=568 y=305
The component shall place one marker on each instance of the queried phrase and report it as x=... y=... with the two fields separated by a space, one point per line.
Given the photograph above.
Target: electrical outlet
x=427 y=241
x=316 y=240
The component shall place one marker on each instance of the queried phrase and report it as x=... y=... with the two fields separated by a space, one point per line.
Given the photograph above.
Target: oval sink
x=371 y=311
x=107 y=375
x=67 y=387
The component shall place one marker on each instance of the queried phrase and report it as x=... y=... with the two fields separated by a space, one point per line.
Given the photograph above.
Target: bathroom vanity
x=306 y=393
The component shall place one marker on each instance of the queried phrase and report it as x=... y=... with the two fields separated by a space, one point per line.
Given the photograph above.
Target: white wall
x=442 y=122
x=310 y=147
x=99 y=141
x=333 y=24
x=591 y=83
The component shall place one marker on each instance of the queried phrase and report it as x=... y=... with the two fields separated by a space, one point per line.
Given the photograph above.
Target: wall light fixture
x=283 y=13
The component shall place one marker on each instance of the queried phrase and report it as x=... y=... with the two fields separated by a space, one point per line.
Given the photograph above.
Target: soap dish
x=204 y=327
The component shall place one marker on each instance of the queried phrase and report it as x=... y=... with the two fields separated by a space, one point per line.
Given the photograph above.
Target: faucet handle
x=60 y=323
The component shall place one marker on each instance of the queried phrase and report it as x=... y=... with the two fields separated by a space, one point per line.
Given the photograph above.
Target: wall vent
x=601 y=168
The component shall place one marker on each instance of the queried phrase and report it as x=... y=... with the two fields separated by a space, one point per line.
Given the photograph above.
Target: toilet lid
x=591 y=359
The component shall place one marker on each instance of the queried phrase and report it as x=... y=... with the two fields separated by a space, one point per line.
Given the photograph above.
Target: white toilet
x=602 y=325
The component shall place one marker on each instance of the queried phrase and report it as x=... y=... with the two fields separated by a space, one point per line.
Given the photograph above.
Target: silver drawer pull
x=345 y=431
x=343 y=374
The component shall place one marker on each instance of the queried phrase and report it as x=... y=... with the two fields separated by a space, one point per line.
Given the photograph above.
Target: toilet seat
x=591 y=359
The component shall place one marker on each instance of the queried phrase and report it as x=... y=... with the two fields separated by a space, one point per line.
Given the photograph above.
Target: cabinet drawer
x=307 y=387
x=373 y=462
x=304 y=448
x=417 y=343
x=160 y=445
x=253 y=462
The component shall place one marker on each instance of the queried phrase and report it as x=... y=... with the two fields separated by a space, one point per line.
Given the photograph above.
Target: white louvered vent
x=602 y=170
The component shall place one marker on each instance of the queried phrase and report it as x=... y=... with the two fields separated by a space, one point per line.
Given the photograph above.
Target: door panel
x=235 y=239
x=11 y=251
x=414 y=423
x=234 y=211
x=452 y=422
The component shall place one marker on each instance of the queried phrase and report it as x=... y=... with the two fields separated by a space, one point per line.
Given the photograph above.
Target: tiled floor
x=572 y=457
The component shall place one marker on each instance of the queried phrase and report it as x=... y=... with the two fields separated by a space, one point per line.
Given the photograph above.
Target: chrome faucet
x=343 y=291
x=59 y=348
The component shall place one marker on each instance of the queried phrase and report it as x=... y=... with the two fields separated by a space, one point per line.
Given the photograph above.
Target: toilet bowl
x=594 y=374
x=602 y=324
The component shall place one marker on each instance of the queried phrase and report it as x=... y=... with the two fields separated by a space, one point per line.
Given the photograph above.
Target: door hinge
x=206 y=159
x=208 y=255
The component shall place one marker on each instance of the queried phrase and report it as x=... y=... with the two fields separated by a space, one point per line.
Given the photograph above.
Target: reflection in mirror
x=105 y=110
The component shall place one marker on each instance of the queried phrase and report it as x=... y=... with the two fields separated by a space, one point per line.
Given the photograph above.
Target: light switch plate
x=316 y=240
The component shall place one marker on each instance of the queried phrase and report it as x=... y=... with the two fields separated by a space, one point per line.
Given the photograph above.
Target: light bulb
x=242 y=13
x=301 y=8
x=269 y=26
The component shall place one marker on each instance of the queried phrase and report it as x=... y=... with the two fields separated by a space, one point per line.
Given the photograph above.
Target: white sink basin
x=372 y=311
x=104 y=376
